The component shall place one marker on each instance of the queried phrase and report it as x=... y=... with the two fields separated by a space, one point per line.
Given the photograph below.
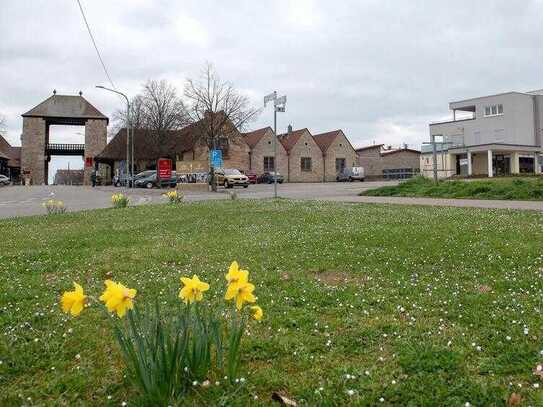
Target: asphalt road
x=25 y=201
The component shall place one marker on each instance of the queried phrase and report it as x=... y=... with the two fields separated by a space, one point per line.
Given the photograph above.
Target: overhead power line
x=95 y=46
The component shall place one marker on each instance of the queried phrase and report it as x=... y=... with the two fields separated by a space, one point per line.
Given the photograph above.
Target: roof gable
x=66 y=106
x=252 y=138
x=289 y=140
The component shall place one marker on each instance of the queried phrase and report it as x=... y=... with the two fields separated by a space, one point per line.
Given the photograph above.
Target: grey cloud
x=378 y=69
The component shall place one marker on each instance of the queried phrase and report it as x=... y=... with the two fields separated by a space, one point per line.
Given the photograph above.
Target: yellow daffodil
x=257 y=312
x=73 y=301
x=118 y=298
x=241 y=292
x=193 y=289
x=235 y=275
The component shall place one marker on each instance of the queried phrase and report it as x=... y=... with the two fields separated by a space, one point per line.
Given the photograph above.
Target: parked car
x=150 y=181
x=351 y=174
x=231 y=177
x=124 y=179
x=269 y=178
x=253 y=177
x=4 y=180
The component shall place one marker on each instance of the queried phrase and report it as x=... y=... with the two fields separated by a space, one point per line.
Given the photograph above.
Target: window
x=269 y=164
x=305 y=163
x=493 y=110
x=340 y=165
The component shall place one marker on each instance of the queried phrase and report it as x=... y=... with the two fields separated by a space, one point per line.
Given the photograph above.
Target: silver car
x=4 y=180
x=351 y=174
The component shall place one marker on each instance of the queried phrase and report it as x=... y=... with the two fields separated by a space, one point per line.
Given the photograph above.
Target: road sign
x=215 y=158
x=281 y=100
x=270 y=97
x=164 y=168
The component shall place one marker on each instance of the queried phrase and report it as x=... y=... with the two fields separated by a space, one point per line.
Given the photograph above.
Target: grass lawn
x=420 y=306
x=522 y=189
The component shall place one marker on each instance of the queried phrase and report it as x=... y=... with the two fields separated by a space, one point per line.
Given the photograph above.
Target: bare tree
x=157 y=110
x=214 y=106
x=137 y=115
x=162 y=109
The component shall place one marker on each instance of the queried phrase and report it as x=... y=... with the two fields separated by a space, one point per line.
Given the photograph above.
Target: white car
x=4 y=180
x=351 y=174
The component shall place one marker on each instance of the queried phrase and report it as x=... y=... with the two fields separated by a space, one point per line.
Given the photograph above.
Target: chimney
x=289 y=129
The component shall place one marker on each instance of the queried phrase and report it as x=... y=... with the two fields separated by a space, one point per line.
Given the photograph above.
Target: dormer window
x=493 y=110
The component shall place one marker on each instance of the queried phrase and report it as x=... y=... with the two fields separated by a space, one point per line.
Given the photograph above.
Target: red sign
x=164 y=168
x=88 y=161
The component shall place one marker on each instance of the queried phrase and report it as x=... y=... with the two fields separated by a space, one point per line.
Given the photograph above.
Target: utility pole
x=278 y=106
x=129 y=177
x=434 y=156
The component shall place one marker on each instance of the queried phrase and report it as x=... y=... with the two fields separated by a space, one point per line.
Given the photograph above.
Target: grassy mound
x=408 y=305
x=522 y=189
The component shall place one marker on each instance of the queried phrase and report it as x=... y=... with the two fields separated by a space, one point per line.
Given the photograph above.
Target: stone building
x=187 y=148
x=337 y=153
x=304 y=156
x=380 y=162
x=36 y=149
x=261 y=154
x=69 y=177
x=10 y=160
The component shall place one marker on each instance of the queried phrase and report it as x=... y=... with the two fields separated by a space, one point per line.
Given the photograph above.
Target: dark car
x=270 y=177
x=150 y=181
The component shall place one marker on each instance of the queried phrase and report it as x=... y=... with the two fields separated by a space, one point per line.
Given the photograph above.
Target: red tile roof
x=325 y=140
x=253 y=137
x=12 y=153
x=146 y=144
x=289 y=140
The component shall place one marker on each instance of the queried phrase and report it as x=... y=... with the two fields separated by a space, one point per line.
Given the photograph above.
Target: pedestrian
x=93 y=178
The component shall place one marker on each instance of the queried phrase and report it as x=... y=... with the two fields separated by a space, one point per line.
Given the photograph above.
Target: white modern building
x=501 y=135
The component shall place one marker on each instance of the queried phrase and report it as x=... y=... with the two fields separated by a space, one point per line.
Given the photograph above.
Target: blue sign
x=215 y=158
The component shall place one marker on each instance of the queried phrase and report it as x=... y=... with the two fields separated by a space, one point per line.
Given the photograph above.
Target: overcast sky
x=380 y=70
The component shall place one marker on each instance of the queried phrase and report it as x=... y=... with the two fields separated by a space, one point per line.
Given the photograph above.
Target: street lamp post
x=278 y=106
x=129 y=169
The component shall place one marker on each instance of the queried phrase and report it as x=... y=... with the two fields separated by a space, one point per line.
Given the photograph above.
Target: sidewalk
x=462 y=203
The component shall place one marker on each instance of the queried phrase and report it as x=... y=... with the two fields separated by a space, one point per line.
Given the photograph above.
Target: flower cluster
x=53 y=206
x=174 y=197
x=196 y=342
x=116 y=297
x=239 y=289
x=119 y=200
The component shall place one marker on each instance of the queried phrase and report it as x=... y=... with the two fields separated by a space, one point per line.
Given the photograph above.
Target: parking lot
x=25 y=201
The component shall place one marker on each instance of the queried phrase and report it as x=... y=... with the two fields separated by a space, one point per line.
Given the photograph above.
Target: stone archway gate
x=68 y=110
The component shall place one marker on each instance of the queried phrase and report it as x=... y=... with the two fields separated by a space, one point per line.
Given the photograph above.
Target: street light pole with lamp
x=278 y=106
x=129 y=169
